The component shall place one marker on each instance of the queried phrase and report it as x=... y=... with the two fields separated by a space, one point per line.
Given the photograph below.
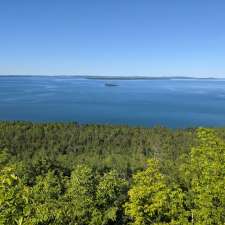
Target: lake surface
x=166 y=102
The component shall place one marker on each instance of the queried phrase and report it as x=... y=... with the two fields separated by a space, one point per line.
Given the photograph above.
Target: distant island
x=111 y=85
x=141 y=77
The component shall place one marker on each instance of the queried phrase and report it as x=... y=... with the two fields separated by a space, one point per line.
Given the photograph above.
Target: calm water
x=172 y=103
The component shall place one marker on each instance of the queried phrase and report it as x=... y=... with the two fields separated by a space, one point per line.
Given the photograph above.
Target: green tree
x=95 y=199
x=205 y=179
x=46 y=200
x=14 y=198
x=152 y=201
x=110 y=195
x=80 y=196
x=4 y=158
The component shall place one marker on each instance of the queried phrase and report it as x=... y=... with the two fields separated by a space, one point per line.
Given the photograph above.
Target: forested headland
x=67 y=173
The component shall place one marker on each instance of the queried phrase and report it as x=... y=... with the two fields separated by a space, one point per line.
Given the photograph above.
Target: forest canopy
x=67 y=173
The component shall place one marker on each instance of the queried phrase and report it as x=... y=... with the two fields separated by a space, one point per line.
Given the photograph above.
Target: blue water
x=171 y=103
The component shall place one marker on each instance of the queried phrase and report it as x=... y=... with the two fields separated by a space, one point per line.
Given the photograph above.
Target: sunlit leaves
x=152 y=200
x=206 y=172
x=13 y=198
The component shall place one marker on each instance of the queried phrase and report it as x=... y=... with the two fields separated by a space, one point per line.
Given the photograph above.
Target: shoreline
x=90 y=77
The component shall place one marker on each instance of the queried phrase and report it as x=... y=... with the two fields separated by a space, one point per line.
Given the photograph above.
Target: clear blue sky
x=113 y=37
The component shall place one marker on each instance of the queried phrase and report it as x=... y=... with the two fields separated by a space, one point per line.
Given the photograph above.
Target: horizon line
x=111 y=76
x=120 y=76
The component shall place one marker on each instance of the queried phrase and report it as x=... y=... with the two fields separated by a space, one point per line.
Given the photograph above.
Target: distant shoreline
x=116 y=77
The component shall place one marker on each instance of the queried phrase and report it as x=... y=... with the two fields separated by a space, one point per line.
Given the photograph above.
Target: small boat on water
x=111 y=85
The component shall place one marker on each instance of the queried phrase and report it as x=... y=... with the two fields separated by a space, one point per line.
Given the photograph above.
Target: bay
x=174 y=103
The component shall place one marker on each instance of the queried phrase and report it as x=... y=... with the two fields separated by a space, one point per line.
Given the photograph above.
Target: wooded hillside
x=57 y=173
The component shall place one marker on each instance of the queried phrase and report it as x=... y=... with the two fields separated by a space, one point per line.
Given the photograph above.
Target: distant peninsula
x=141 y=77
x=98 y=77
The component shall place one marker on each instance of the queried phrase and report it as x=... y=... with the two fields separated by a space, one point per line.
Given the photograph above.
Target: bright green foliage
x=152 y=201
x=46 y=207
x=13 y=198
x=206 y=179
x=201 y=198
x=93 y=199
x=183 y=185
x=110 y=194
x=80 y=196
